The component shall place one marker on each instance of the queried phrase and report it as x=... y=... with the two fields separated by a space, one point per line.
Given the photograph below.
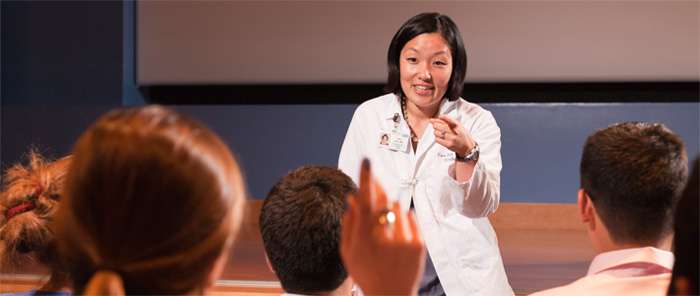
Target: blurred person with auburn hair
x=28 y=203
x=153 y=202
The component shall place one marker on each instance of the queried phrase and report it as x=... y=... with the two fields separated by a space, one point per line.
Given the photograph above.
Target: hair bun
x=105 y=282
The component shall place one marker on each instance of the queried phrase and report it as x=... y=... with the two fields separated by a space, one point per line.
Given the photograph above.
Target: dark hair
x=28 y=203
x=300 y=227
x=428 y=23
x=153 y=199
x=634 y=173
x=686 y=240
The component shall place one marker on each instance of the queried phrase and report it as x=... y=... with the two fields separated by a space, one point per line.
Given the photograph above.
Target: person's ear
x=586 y=209
x=269 y=265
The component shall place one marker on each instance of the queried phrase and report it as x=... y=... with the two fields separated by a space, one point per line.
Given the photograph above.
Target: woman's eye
x=411 y=60
x=440 y=63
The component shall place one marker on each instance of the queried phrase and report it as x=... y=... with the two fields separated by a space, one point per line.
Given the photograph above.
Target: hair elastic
x=25 y=206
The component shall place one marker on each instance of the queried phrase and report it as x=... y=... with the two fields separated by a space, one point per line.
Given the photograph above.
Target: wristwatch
x=473 y=155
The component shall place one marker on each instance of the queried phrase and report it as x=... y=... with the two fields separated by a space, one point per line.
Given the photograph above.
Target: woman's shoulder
x=376 y=105
x=474 y=110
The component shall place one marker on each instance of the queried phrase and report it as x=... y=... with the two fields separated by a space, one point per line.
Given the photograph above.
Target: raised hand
x=381 y=246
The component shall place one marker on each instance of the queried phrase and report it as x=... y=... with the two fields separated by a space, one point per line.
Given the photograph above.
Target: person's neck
x=421 y=113
x=663 y=244
x=58 y=282
x=345 y=289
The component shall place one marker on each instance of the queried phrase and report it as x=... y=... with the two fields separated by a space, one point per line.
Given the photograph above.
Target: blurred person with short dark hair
x=300 y=226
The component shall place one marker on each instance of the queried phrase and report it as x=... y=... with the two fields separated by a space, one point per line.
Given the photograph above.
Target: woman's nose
x=424 y=72
x=425 y=75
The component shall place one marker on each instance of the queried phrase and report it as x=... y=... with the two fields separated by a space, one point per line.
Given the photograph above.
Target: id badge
x=398 y=141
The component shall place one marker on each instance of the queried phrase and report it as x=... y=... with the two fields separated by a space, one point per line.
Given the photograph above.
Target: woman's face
x=425 y=65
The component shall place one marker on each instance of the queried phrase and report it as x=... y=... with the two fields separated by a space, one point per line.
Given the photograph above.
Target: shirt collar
x=611 y=259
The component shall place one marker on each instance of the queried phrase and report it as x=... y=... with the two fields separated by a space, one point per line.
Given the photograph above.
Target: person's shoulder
x=474 y=112
x=470 y=108
x=605 y=284
x=551 y=292
x=376 y=105
x=570 y=289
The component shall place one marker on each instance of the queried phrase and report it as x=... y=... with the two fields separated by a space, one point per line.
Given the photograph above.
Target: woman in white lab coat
x=442 y=159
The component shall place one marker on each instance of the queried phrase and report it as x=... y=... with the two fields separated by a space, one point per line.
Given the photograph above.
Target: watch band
x=473 y=155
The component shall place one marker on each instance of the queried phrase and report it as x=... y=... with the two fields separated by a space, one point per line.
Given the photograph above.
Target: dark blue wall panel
x=541 y=142
x=61 y=68
x=60 y=52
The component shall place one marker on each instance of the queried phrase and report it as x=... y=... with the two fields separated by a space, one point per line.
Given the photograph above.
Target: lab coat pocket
x=438 y=195
x=472 y=248
x=445 y=192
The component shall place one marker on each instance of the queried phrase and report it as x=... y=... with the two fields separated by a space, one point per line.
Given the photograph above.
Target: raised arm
x=381 y=246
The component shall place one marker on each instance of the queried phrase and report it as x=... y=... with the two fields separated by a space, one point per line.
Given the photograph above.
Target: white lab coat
x=452 y=216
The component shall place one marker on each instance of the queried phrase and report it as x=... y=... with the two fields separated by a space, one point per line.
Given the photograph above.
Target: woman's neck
x=417 y=119
x=421 y=113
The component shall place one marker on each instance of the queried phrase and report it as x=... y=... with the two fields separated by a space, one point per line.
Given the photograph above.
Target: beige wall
x=336 y=42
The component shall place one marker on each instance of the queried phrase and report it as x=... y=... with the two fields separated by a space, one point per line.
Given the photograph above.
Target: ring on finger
x=387 y=218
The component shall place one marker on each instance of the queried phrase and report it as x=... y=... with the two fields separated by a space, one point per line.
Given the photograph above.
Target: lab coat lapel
x=427 y=141
x=403 y=160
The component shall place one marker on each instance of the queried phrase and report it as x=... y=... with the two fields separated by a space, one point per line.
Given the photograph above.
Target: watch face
x=474 y=154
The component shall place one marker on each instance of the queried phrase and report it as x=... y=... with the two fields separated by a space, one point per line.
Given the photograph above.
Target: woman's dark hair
x=431 y=22
x=153 y=200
